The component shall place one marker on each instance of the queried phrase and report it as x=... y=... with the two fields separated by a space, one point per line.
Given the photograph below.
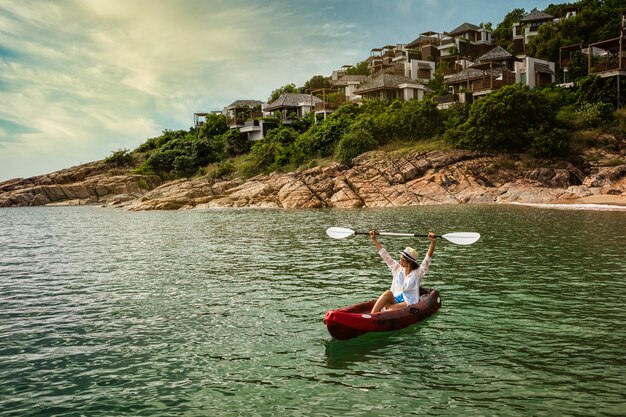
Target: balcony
x=325 y=106
x=567 y=54
x=448 y=98
x=491 y=83
x=611 y=64
x=330 y=104
x=241 y=118
x=447 y=42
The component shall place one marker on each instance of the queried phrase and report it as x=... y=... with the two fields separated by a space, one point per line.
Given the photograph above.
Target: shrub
x=592 y=114
x=321 y=138
x=552 y=143
x=121 y=157
x=353 y=144
x=593 y=89
x=159 y=141
x=223 y=169
x=184 y=166
x=215 y=125
x=263 y=154
x=141 y=183
x=235 y=142
x=505 y=121
x=454 y=115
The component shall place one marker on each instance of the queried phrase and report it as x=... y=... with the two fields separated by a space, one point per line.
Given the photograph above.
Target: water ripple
x=219 y=312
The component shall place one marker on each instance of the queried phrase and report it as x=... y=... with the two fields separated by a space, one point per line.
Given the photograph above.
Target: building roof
x=291 y=100
x=544 y=69
x=465 y=27
x=417 y=42
x=536 y=16
x=347 y=79
x=469 y=74
x=496 y=53
x=244 y=103
x=385 y=81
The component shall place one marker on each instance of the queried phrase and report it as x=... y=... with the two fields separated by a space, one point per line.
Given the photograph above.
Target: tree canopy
x=287 y=88
x=361 y=68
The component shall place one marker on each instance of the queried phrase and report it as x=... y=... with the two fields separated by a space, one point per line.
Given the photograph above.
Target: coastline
x=602 y=199
x=375 y=180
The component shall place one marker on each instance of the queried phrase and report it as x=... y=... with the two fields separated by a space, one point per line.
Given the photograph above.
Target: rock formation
x=376 y=179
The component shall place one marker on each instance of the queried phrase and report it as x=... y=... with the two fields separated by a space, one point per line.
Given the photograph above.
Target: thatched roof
x=470 y=74
x=536 y=16
x=244 y=103
x=544 y=69
x=385 y=81
x=495 y=54
x=465 y=27
x=291 y=100
x=347 y=79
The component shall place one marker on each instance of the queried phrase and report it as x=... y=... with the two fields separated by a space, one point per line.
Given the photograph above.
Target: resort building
x=534 y=72
x=492 y=71
x=466 y=40
x=526 y=28
x=291 y=105
x=345 y=86
x=241 y=110
x=605 y=59
x=385 y=86
x=425 y=47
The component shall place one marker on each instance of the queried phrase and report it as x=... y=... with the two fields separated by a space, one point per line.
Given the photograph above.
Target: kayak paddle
x=460 y=238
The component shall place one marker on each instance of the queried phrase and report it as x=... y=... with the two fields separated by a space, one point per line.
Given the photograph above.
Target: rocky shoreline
x=376 y=179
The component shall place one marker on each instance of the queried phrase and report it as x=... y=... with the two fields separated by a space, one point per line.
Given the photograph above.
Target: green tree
x=315 y=83
x=287 y=88
x=215 y=125
x=503 y=34
x=166 y=136
x=236 y=143
x=507 y=120
x=321 y=138
x=207 y=150
x=354 y=143
x=436 y=85
x=121 y=157
x=361 y=68
x=594 y=89
x=184 y=166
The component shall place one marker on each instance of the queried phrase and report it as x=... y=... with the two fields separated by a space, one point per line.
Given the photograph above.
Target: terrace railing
x=608 y=65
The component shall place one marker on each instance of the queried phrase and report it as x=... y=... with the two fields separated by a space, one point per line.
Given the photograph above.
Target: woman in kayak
x=406 y=275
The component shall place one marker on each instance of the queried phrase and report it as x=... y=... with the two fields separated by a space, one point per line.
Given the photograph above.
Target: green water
x=104 y=312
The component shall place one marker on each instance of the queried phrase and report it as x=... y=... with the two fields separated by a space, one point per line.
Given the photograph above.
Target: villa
x=291 y=105
x=466 y=57
x=385 y=86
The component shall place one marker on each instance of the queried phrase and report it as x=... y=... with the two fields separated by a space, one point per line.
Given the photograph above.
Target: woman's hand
x=373 y=237
x=433 y=242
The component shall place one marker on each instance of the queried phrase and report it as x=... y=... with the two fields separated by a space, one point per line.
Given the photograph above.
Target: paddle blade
x=462 y=238
x=339 y=232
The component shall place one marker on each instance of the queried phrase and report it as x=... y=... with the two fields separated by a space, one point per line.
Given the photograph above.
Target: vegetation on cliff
x=515 y=119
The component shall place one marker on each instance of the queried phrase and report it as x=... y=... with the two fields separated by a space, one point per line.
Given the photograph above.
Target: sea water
x=105 y=312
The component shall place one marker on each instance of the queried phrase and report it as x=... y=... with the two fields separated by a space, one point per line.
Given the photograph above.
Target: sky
x=80 y=79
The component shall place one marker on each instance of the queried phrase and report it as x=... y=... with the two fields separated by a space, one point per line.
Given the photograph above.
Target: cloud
x=79 y=78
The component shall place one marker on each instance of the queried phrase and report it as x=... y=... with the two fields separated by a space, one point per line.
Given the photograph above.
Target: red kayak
x=353 y=321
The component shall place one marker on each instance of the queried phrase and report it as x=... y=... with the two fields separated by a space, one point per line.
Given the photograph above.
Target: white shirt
x=407 y=286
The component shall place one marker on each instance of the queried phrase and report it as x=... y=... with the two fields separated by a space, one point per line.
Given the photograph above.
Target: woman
x=407 y=275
